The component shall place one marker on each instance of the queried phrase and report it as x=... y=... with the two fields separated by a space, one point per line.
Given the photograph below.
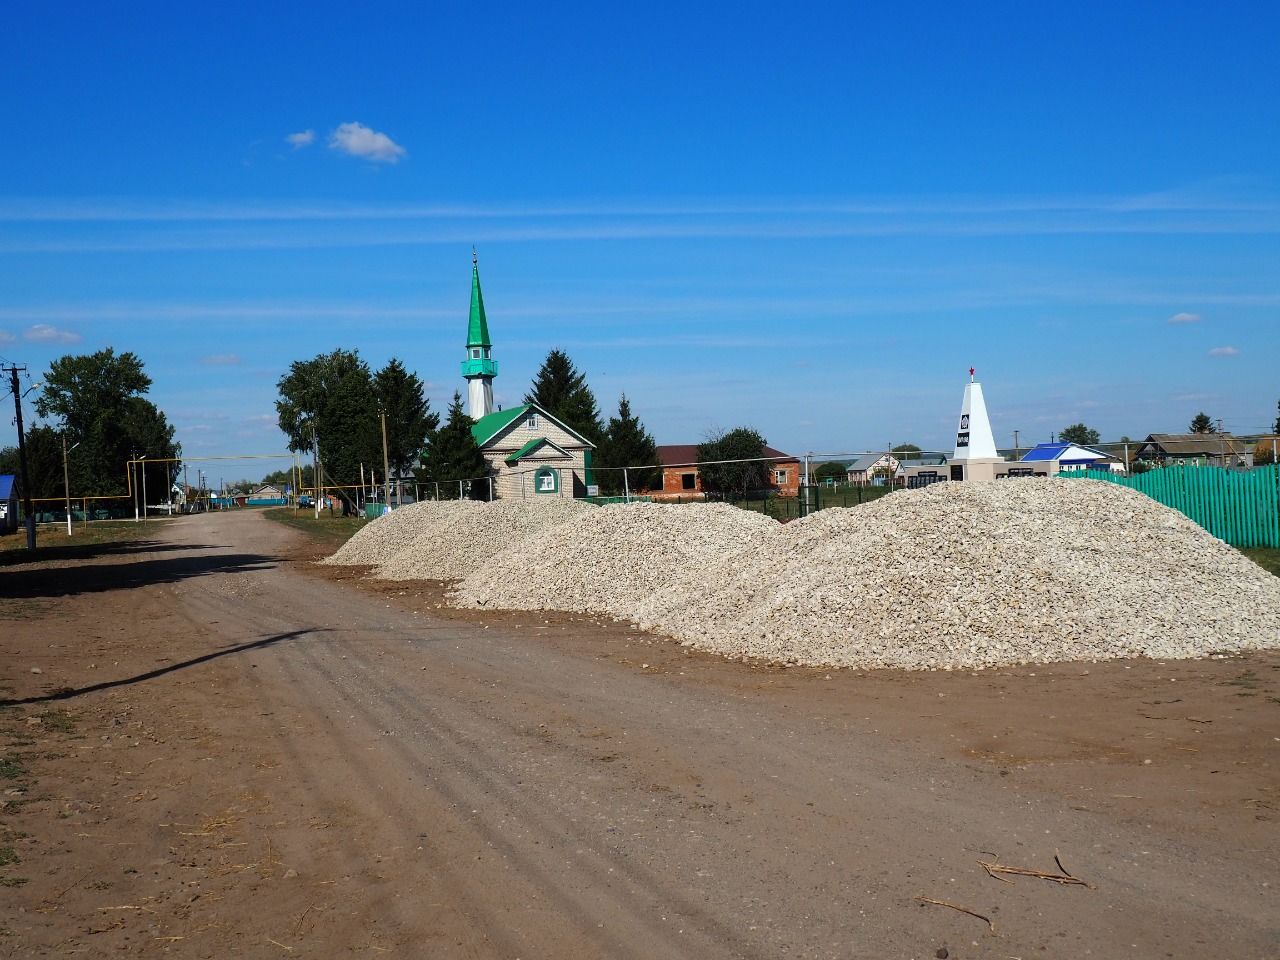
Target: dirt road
x=228 y=752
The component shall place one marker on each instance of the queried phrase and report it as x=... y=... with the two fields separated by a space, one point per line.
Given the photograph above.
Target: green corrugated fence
x=1241 y=507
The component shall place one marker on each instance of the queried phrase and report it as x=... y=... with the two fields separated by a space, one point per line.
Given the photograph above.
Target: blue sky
x=811 y=220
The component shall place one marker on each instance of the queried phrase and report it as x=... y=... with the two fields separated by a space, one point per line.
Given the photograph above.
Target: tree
x=906 y=448
x=96 y=400
x=44 y=462
x=332 y=395
x=831 y=471
x=287 y=477
x=1079 y=433
x=452 y=454
x=562 y=391
x=735 y=480
x=626 y=443
x=410 y=419
x=1201 y=423
x=1264 y=452
x=1275 y=427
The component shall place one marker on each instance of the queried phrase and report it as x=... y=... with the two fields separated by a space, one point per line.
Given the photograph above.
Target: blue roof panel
x=1045 y=451
x=6 y=486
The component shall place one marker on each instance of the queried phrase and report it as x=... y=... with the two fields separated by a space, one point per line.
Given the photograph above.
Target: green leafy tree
x=332 y=395
x=410 y=419
x=1079 y=433
x=734 y=480
x=1202 y=423
x=831 y=471
x=626 y=443
x=284 y=477
x=452 y=454
x=97 y=400
x=44 y=463
x=562 y=391
x=1275 y=427
x=906 y=448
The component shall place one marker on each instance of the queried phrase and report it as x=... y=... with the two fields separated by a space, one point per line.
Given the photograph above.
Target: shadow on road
x=87 y=551
x=160 y=672
x=98 y=577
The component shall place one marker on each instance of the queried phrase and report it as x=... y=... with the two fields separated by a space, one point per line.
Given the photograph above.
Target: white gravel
x=958 y=575
x=955 y=575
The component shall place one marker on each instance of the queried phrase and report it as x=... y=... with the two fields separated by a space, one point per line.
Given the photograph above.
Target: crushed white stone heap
x=958 y=575
x=455 y=542
x=378 y=540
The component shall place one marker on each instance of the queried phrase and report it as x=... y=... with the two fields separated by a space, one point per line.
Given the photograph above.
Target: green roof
x=487 y=427
x=477 y=325
x=533 y=445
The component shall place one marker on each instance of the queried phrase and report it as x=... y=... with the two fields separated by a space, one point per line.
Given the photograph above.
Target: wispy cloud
x=7 y=337
x=1224 y=352
x=46 y=333
x=1185 y=318
x=221 y=360
x=358 y=140
x=303 y=138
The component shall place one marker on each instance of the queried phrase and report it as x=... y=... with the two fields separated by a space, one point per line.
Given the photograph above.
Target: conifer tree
x=561 y=390
x=452 y=454
x=626 y=443
x=1201 y=423
x=410 y=419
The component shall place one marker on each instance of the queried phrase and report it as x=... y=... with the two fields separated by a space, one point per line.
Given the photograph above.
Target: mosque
x=528 y=452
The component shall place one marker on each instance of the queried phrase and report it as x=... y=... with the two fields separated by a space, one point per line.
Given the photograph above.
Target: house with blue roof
x=1065 y=457
x=9 y=496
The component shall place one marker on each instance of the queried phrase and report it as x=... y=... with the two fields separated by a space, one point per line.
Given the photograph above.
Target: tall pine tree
x=626 y=443
x=410 y=419
x=452 y=454
x=561 y=390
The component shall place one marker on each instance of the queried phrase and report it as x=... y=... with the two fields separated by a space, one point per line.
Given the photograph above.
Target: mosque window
x=475 y=353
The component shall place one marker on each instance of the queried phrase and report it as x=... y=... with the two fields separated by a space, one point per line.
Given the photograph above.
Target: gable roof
x=1196 y=444
x=8 y=486
x=533 y=445
x=488 y=427
x=1064 y=451
x=863 y=464
x=680 y=454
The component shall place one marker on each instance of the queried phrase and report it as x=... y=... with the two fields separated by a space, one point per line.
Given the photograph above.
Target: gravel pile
x=955 y=575
x=611 y=559
x=379 y=540
x=449 y=544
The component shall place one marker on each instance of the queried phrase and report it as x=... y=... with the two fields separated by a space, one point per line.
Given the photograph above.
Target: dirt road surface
x=229 y=752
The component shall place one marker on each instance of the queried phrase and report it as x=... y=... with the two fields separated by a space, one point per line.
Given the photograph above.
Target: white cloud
x=359 y=141
x=1185 y=318
x=7 y=337
x=221 y=360
x=1224 y=352
x=44 y=333
x=301 y=139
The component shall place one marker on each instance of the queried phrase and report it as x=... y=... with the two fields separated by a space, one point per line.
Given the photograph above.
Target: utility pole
x=386 y=469
x=315 y=467
x=1017 y=451
x=29 y=518
x=66 y=478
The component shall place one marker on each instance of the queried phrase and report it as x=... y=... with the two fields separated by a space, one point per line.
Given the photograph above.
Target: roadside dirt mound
x=610 y=559
x=956 y=575
x=381 y=538
x=448 y=545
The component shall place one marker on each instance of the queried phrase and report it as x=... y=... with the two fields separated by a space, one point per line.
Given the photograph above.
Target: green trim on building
x=553 y=473
x=588 y=474
x=533 y=445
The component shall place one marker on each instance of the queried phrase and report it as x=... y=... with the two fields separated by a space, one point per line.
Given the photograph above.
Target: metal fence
x=1241 y=507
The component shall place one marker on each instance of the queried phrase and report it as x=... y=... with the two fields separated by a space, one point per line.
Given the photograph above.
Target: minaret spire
x=479 y=369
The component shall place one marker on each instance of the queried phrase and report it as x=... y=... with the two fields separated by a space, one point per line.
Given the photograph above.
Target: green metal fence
x=1241 y=507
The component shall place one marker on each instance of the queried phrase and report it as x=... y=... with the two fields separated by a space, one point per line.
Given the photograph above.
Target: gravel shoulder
x=272 y=758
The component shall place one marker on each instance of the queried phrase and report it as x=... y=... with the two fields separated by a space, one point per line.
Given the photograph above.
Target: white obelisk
x=975 y=443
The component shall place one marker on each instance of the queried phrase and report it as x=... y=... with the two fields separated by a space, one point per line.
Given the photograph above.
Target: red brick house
x=680 y=472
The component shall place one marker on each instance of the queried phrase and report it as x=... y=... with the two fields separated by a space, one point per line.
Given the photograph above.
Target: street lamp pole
x=66 y=477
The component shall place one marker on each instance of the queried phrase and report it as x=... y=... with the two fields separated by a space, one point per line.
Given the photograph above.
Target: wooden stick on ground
x=956 y=906
x=994 y=868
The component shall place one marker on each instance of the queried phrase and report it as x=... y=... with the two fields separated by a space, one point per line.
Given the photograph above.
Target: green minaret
x=479 y=368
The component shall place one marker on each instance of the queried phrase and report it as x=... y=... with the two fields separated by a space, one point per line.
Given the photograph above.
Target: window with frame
x=531 y=421
x=475 y=353
x=688 y=481
x=779 y=476
x=546 y=481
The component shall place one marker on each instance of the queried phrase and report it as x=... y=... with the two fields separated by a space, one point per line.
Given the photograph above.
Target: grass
x=1265 y=557
x=58 y=720
x=11 y=769
x=7 y=856
x=330 y=531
